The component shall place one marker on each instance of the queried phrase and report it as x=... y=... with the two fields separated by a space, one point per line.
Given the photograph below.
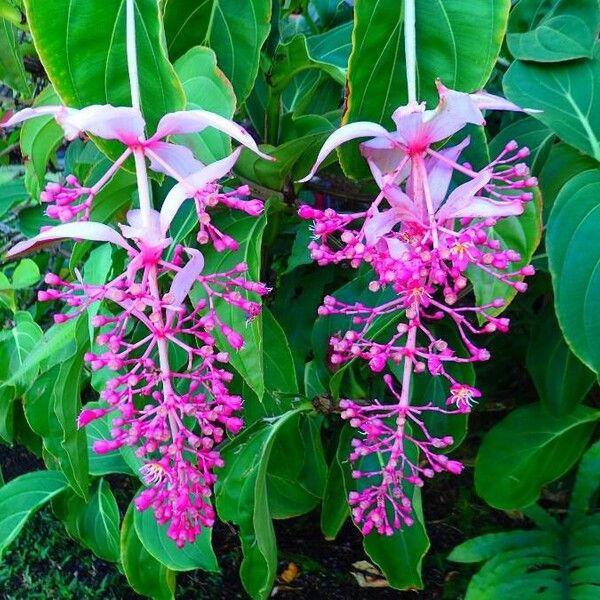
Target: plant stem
x=410 y=49
x=132 y=66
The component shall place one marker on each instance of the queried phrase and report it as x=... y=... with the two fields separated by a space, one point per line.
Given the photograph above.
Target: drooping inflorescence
x=422 y=238
x=160 y=329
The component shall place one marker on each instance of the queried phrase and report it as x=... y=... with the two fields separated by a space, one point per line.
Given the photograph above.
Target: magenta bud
x=52 y=279
x=235 y=340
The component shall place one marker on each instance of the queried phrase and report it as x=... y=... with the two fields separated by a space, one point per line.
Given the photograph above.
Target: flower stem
x=132 y=66
x=410 y=49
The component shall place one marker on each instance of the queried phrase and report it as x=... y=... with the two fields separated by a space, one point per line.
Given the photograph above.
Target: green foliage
x=542 y=447
x=559 y=559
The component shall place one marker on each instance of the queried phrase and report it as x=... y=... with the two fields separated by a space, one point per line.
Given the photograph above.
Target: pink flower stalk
x=159 y=320
x=422 y=240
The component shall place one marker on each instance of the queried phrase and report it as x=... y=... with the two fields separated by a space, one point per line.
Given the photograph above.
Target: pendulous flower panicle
x=422 y=236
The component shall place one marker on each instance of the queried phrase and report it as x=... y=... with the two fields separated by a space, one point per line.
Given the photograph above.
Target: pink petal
x=485 y=101
x=193 y=121
x=453 y=112
x=409 y=124
x=184 y=279
x=461 y=199
x=440 y=173
x=109 y=122
x=122 y=123
x=345 y=134
x=396 y=248
x=180 y=158
x=193 y=184
x=384 y=156
x=149 y=232
x=484 y=207
x=402 y=204
x=378 y=224
x=96 y=232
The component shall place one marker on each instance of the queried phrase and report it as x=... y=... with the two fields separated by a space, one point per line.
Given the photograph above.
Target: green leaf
x=12 y=71
x=46 y=352
x=528 y=449
x=562 y=381
x=487 y=546
x=563 y=163
x=564 y=37
x=287 y=487
x=40 y=138
x=235 y=30
x=456 y=45
x=521 y=234
x=144 y=573
x=328 y=52
x=586 y=482
x=573 y=261
x=400 y=555
x=335 y=509
x=110 y=462
x=12 y=193
x=95 y=523
x=15 y=346
x=207 y=88
x=21 y=497
x=25 y=275
x=81 y=44
x=566 y=93
x=241 y=497
x=153 y=536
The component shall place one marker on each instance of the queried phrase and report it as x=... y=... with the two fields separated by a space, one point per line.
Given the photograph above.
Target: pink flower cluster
x=422 y=238
x=160 y=330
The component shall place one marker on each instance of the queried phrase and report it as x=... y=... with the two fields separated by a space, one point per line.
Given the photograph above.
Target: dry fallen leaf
x=368 y=575
x=290 y=573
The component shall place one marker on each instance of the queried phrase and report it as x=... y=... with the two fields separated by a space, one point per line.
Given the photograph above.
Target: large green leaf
x=12 y=71
x=235 y=30
x=574 y=260
x=562 y=164
x=550 y=32
x=458 y=46
x=39 y=139
x=562 y=381
x=567 y=94
x=241 y=497
x=206 y=88
x=21 y=497
x=153 y=536
x=528 y=449
x=144 y=573
x=95 y=523
x=82 y=46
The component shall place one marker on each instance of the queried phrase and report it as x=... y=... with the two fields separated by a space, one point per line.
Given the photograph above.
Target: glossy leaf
x=563 y=163
x=542 y=447
x=566 y=93
x=153 y=536
x=40 y=138
x=144 y=573
x=241 y=497
x=21 y=497
x=206 y=88
x=95 y=523
x=561 y=379
x=82 y=46
x=335 y=510
x=573 y=222
x=564 y=37
x=235 y=30
x=456 y=45
x=12 y=71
